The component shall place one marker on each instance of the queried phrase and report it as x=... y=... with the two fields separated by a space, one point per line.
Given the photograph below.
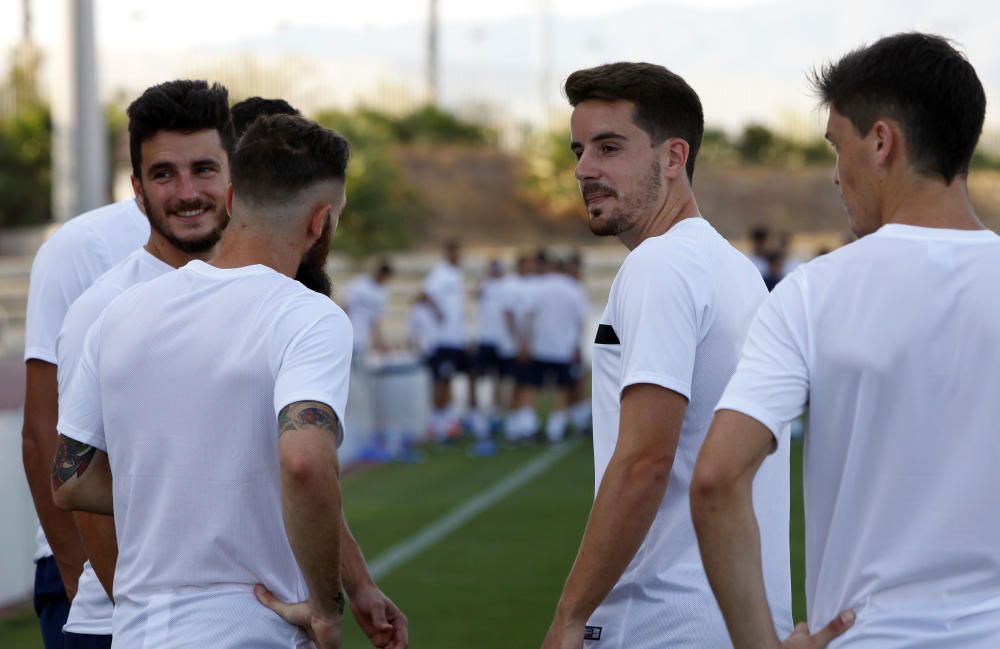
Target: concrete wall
x=17 y=515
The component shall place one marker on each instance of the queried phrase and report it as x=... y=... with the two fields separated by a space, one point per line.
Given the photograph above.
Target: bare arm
x=81 y=478
x=729 y=538
x=379 y=618
x=626 y=504
x=38 y=447
x=310 y=497
x=101 y=544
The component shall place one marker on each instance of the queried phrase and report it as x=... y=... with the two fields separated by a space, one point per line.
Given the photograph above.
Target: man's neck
x=929 y=203
x=673 y=211
x=162 y=250
x=243 y=246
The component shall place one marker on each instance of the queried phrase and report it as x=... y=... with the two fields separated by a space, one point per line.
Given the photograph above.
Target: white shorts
x=230 y=619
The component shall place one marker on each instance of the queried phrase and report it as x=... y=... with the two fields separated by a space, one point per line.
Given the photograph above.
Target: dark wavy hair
x=181 y=105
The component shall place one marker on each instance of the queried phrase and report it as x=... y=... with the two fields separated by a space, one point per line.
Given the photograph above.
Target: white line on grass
x=402 y=552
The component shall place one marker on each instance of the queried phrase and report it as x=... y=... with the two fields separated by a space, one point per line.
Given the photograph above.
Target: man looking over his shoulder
x=667 y=343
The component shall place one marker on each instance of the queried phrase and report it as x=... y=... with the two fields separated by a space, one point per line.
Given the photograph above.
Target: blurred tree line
x=383 y=209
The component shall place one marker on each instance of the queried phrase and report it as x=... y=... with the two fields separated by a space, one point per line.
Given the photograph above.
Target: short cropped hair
x=665 y=105
x=246 y=111
x=182 y=105
x=279 y=156
x=922 y=82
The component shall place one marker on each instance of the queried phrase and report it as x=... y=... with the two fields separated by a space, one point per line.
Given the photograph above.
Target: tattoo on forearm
x=307 y=414
x=72 y=458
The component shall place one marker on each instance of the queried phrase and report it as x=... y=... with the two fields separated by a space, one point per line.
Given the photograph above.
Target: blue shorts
x=540 y=373
x=86 y=641
x=446 y=362
x=51 y=602
x=487 y=360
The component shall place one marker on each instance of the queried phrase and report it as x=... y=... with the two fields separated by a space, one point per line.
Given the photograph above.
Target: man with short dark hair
x=893 y=341
x=246 y=111
x=185 y=140
x=232 y=355
x=666 y=345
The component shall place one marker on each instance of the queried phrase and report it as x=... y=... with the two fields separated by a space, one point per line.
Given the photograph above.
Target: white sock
x=580 y=414
x=555 y=427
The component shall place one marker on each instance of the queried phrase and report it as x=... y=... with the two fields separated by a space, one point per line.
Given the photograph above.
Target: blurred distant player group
x=521 y=347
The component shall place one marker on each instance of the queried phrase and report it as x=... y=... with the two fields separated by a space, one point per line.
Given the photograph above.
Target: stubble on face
x=631 y=207
x=159 y=221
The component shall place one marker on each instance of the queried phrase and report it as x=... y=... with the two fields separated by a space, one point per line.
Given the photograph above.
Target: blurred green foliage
x=26 y=161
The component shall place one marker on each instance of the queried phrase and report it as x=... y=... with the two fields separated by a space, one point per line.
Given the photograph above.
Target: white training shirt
x=421 y=325
x=677 y=315
x=491 y=329
x=181 y=382
x=79 y=252
x=365 y=301
x=894 y=342
x=509 y=301
x=444 y=286
x=555 y=317
x=90 y=611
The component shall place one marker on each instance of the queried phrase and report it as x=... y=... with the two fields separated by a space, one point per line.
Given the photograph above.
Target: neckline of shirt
x=204 y=268
x=903 y=231
x=150 y=258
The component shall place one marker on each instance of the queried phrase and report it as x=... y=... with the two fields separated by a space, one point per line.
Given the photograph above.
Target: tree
x=382 y=210
x=26 y=160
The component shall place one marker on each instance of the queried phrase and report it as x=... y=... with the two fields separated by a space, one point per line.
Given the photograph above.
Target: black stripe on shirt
x=606 y=336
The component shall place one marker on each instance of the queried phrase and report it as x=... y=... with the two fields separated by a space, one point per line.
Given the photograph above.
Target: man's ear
x=886 y=142
x=140 y=197
x=674 y=159
x=318 y=216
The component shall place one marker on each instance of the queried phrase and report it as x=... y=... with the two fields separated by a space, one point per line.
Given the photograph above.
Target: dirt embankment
x=477 y=194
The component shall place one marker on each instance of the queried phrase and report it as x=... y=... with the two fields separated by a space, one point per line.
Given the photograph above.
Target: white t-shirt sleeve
x=81 y=316
x=658 y=323
x=316 y=366
x=771 y=382
x=80 y=409
x=63 y=268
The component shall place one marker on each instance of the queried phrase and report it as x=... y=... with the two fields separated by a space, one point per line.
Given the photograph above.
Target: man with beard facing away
x=214 y=395
x=665 y=347
x=181 y=138
x=312 y=271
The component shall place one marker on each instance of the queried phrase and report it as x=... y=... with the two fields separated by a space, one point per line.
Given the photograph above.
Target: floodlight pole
x=80 y=147
x=432 y=52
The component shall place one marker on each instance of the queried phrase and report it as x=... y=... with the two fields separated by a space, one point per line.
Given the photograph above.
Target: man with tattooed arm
x=218 y=411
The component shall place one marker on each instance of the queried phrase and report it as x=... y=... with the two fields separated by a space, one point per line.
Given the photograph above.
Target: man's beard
x=312 y=269
x=624 y=216
x=158 y=221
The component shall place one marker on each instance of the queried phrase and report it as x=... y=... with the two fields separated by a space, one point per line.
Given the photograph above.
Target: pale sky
x=746 y=58
x=181 y=23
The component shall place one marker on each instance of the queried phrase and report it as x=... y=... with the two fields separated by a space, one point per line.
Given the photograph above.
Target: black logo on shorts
x=592 y=632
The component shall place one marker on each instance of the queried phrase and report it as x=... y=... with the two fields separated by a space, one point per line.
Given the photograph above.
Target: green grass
x=494 y=582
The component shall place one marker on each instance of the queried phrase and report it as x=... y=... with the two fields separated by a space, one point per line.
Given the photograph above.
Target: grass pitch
x=494 y=582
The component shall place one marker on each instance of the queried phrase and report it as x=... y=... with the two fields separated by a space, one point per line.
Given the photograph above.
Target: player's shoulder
x=92 y=226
